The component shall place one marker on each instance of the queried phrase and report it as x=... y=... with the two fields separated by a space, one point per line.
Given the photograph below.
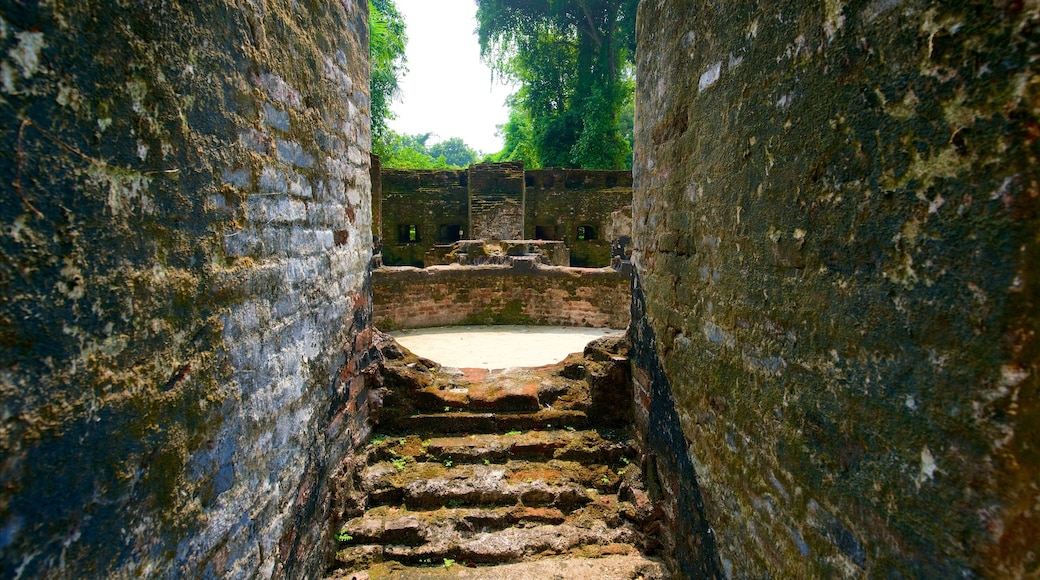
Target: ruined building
x=834 y=290
x=418 y=210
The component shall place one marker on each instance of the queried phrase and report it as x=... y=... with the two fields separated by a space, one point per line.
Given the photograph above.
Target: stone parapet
x=522 y=292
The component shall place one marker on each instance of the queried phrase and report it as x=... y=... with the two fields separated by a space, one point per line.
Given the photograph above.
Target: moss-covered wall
x=836 y=238
x=562 y=200
x=432 y=201
x=496 y=201
x=522 y=293
x=490 y=200
x=184 y=296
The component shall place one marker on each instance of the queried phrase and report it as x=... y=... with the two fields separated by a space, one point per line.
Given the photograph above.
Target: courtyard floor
x=498 y=347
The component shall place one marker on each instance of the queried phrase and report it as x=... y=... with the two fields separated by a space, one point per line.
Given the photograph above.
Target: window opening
x=408 y=234
x=450 y=233
x=545 y=233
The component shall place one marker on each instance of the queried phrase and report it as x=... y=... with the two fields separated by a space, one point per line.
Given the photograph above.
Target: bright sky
x=448 y=90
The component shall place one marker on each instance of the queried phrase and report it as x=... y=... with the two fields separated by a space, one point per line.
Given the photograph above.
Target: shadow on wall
x=671 y=478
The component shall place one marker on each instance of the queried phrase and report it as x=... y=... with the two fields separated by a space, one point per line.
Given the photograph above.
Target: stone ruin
x=564 y=217
x=833 y=355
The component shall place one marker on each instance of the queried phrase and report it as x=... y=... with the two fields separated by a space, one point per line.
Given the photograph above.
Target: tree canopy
x=455 y=152
x=412 y=152
x=571 y=59
x=387 y=40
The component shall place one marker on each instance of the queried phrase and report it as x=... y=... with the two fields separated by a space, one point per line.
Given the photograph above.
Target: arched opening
x=585 y=233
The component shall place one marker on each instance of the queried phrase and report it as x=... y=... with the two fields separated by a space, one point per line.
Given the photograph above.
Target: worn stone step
x=498 y=396
x=514 y=481
x=603 y=568
x=563 y=484
x=511 y=544
x=585 y=446
x=392 y=525
x=463 y=422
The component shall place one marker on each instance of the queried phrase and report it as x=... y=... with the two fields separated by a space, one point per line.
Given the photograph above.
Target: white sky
x=448 y=90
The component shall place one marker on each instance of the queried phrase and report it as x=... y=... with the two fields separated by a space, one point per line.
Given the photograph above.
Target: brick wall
x=560 y=201
x=433 y=201
x=836 y=217
x=518 y=294
x=496 y=201
x=502 y=201
x=183 y=270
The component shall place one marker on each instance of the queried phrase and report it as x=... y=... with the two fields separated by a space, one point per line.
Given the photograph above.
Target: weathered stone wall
x=501 y=201
x=184 y=296
x=836 y=239
x=522 y=293
x=432 y=201
x=496 y=201
x=559 y=201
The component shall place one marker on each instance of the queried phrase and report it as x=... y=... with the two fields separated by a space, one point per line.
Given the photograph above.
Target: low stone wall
x=522 y=293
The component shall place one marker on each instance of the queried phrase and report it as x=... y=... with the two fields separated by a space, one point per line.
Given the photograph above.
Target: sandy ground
x=498 y=347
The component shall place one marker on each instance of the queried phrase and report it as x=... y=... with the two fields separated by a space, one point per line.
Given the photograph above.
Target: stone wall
x=435 y=203
x=521 y=293
x=560 y=202
x=184 y=296
x=496 y=201
x=835 y=222
x=501 y=201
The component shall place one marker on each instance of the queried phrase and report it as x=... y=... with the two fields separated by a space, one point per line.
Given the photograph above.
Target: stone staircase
x=523 y=473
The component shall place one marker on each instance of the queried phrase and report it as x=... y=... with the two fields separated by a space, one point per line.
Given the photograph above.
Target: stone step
x=585 y=446
x=498 y=396
x=428 y=484
x=392 y=525
x=603 y=568
x=463 y=422
x=511 y=544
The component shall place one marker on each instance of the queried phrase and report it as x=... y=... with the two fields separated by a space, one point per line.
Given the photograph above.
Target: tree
x=518 y=135
x=387 y=40
x=455 y=152
x=411 y=152
x=568 y=56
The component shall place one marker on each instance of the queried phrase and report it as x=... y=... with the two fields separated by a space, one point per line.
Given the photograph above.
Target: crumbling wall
x=835 y=223
x=503 y=202
x=576 y=206
x=435 y=203
x=184 y=296
x=496 y=201
x=521 y=293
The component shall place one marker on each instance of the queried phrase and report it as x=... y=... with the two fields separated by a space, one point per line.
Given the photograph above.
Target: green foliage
x=518 y=134
x=387 y=40
x=455 y=152
x=570 y=58
x=412 y=152
x=400 y=463
x=344 y=537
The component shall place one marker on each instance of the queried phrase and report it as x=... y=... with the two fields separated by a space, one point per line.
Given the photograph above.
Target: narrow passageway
x=508 y=473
